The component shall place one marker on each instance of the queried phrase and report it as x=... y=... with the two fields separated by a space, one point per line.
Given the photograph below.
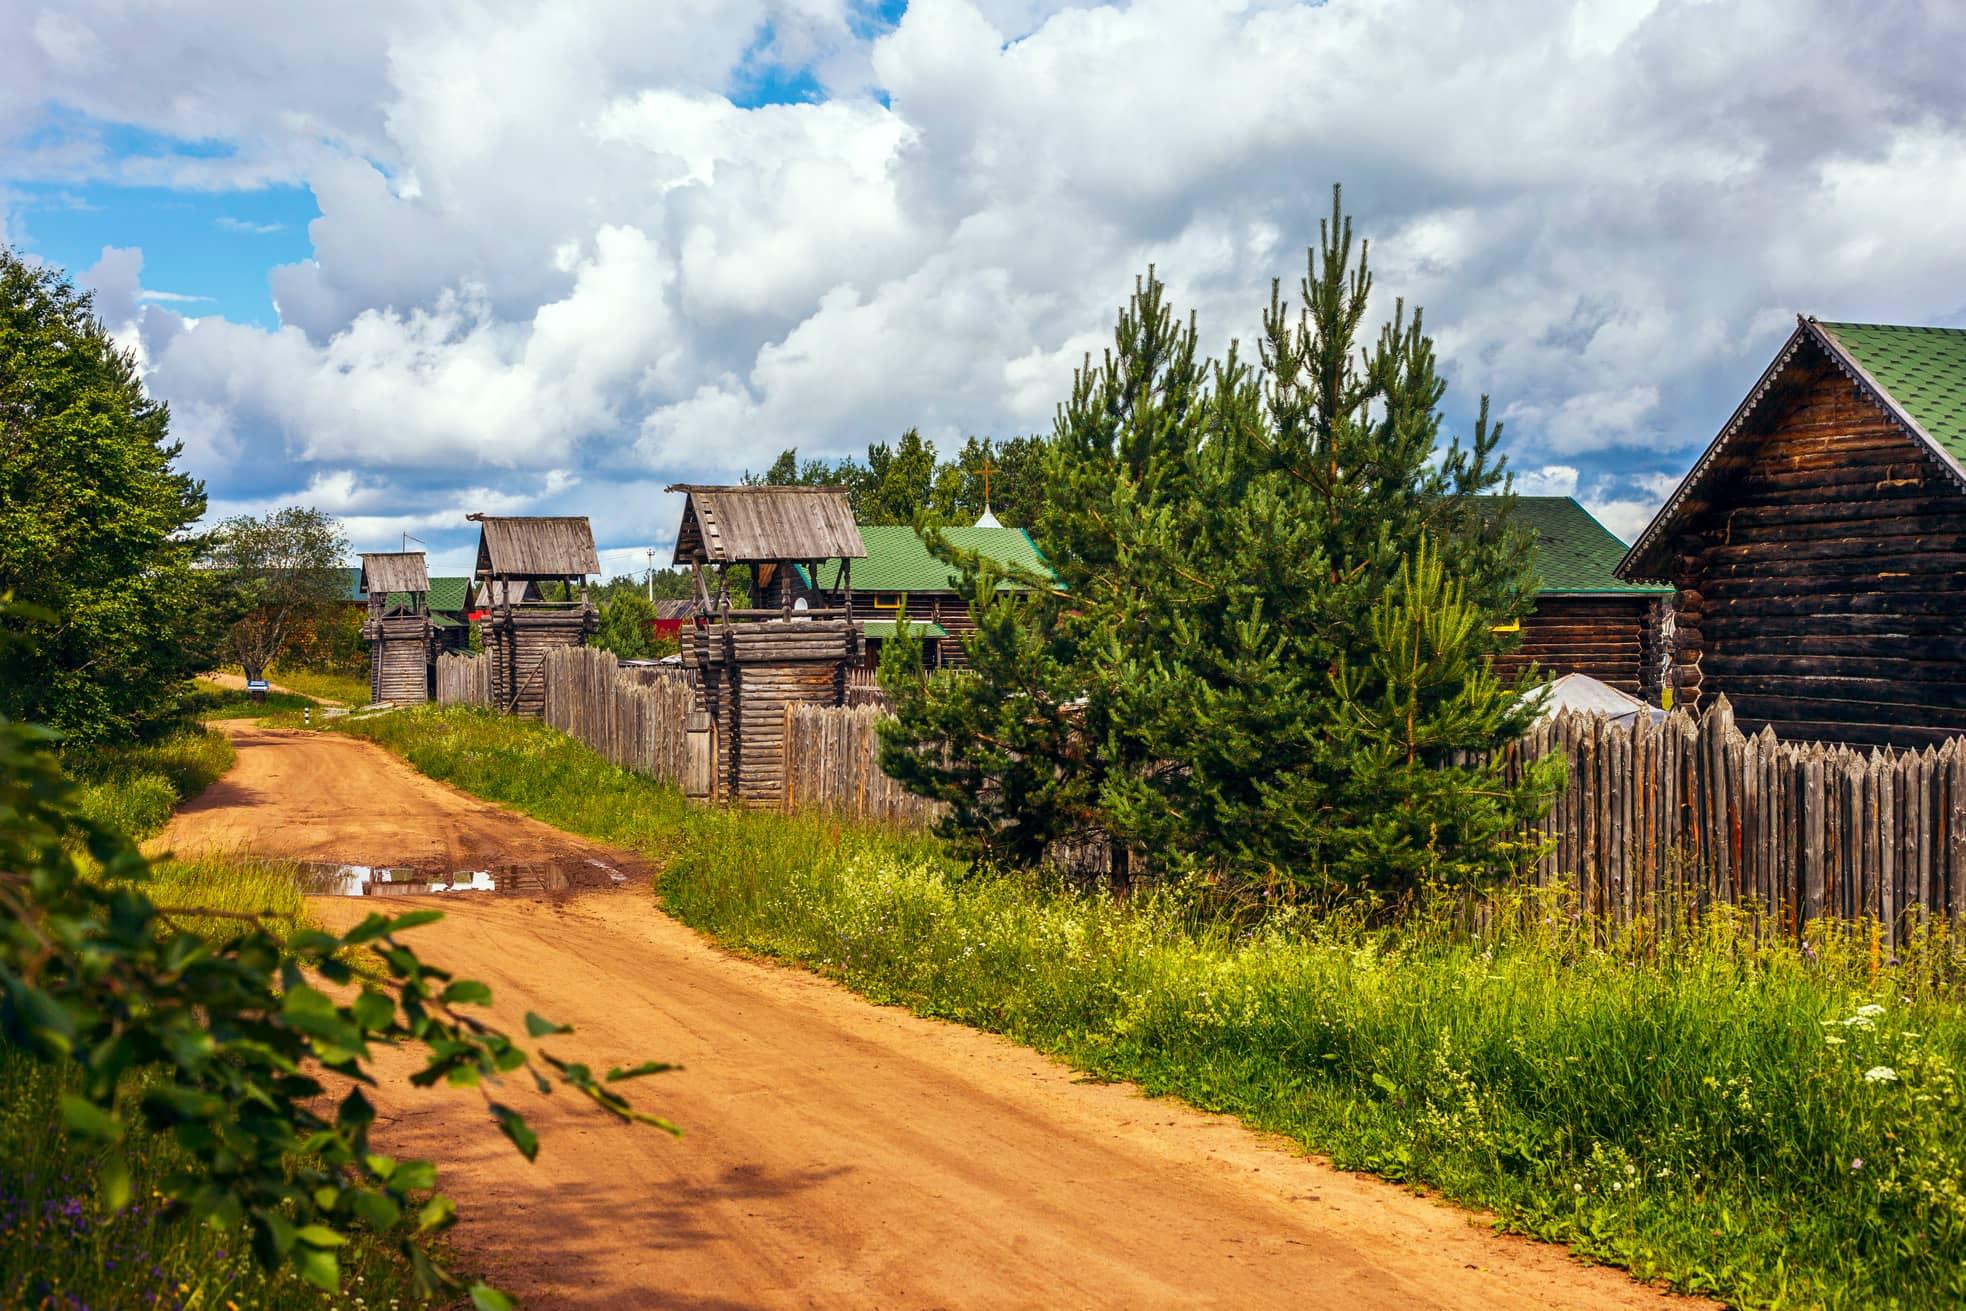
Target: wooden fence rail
x=464 y=680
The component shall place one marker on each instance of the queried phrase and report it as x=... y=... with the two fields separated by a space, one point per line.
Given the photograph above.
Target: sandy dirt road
x=836 y=1153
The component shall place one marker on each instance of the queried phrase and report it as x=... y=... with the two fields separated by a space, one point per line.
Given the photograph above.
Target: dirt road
x=325 y=798
x=837 y=1154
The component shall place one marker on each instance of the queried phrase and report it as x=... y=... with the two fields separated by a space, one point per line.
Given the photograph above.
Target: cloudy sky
x=408 y=259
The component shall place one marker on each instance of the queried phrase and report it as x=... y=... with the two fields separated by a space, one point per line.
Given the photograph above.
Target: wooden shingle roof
x=758 y=525
x=535 y=547
x=394 y=571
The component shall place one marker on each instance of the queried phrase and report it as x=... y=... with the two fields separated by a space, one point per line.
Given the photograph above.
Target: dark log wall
x=748 y=674
x=944 y=608
x=516 y=642
x=1613 y=639
x=1823 y=585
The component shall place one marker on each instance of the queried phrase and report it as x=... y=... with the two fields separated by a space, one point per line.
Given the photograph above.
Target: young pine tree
x=1227 y=540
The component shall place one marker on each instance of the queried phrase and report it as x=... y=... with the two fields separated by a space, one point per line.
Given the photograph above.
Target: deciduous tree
x=95 y=522
x=280 y=572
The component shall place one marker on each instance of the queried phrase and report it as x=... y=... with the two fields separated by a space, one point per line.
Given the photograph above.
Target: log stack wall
x=1823 y=586
x=1614 y=639
x=944 y=608
x=748 y=674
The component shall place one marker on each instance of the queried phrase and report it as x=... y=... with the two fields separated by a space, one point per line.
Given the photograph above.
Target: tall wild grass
x=134 y=788
x=1700 y=1102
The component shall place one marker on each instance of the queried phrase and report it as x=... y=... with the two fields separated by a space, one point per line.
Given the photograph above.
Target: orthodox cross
x=986 y=469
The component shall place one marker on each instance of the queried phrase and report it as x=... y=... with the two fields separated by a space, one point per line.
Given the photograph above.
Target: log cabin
x=900 y=579
x=531 y=581
x=789 y=646
x=1818 y=545
x=1588 y=620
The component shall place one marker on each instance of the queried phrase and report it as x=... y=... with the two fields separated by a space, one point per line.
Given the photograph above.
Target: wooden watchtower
x=791 y=645
x=531 y=580
x=398 y=627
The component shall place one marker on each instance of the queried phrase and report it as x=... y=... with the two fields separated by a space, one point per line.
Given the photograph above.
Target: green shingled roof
x=1574 y=552
x=446 y=595
x=1923 y=370
x=898 y=561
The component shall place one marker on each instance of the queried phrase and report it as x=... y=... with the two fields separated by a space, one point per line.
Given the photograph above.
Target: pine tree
x=1224 y=535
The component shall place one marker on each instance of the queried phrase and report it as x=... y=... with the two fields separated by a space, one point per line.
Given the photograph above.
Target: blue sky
x=554 y=259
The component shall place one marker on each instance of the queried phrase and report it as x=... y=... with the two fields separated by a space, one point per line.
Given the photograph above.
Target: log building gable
x=1916 y=377
x=1819 y=547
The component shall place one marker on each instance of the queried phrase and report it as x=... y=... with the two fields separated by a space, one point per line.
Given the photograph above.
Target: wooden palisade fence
x=1655 y=819
x=653 y=727
x=833 y=762
x=1666 y=817
x=464 y=680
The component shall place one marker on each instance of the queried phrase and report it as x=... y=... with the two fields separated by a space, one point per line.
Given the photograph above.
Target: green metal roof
x=1922 y=370
x=1574 y=552
x=898 y=561
x=353 y=579
x=886 y=627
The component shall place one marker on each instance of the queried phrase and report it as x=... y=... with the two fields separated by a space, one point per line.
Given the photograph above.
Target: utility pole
x=651 y=575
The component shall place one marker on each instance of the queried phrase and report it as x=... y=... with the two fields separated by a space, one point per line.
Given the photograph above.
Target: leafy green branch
x=215 y=1030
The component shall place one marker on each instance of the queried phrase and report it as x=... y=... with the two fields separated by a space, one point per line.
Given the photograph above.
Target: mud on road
x=836 y=1153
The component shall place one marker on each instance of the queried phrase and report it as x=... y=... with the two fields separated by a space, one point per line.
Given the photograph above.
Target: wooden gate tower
x=398 y=628
x=791 y=646
x=531 y=580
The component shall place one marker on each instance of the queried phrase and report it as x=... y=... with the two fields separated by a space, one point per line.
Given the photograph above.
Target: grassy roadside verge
x=1779 y=1127
x=57 y=1246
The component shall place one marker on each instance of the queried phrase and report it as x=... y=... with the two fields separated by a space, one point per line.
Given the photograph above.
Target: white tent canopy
x=1585 y=695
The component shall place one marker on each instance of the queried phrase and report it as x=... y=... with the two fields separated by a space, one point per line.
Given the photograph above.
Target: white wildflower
x=1880 y=1074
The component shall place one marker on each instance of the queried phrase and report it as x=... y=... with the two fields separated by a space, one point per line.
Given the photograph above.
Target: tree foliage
x=282 y=574
x=94 y=522
x=900 y=481
x=627 y=621
x=251 y=1051
x=1254 y=561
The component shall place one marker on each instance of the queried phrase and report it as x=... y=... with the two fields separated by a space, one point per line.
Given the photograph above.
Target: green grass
x=1716 y=1109
x=135 y=788
x=321 y=685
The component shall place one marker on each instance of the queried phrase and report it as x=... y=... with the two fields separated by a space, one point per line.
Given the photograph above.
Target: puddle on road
x=565 y=874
